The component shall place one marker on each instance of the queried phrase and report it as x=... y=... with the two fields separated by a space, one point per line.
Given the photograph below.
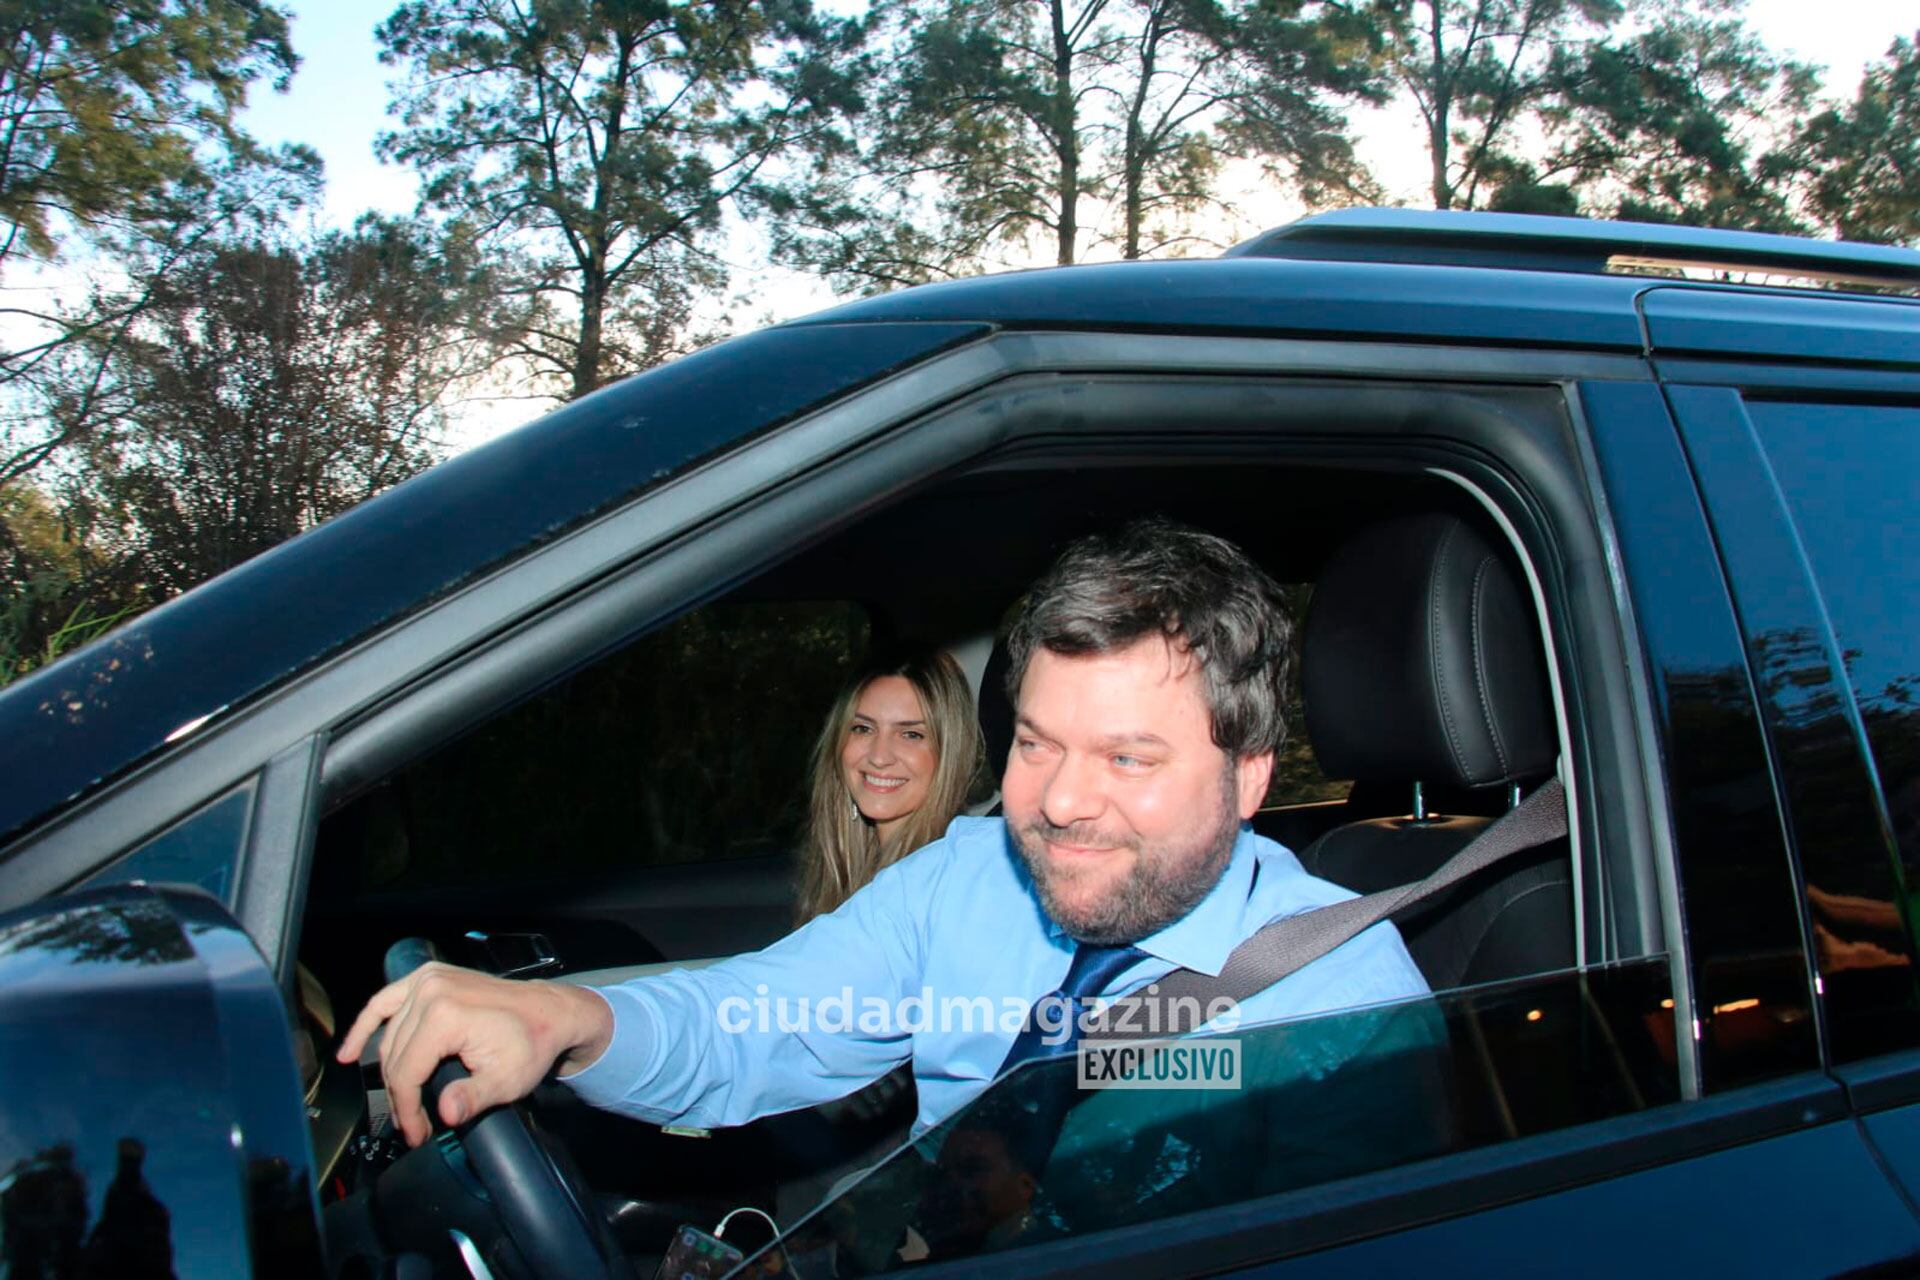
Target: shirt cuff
x=630 y=1055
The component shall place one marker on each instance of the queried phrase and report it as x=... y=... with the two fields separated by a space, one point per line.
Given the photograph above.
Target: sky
x=337 y=101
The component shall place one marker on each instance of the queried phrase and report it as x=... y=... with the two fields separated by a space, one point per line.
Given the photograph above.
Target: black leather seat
x=996 y=708
x=1422 y=664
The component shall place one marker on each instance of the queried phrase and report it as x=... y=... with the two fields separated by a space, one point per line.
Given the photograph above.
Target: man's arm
x=508 y=1033
x=712 y=1047
x=809 y=1019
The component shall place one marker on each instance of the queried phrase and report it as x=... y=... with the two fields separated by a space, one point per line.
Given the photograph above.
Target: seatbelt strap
x=1293 y=942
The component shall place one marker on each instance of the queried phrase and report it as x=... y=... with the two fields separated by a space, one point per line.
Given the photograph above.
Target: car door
x=1809 y=473
x=1673 y=1184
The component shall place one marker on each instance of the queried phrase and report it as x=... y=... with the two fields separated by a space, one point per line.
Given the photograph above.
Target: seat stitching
x=1480 y=669
x=1433 y=650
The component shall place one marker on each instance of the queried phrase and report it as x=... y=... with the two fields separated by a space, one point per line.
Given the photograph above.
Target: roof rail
x=1539 y=243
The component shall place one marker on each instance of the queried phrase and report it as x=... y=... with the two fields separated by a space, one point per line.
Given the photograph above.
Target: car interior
x=643 y=810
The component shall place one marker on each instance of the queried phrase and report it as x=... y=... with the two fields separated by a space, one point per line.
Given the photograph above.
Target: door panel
x=1812 y=1203
x=1895 y=1135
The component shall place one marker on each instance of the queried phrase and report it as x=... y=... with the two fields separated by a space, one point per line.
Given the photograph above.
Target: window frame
x=1298 y=1208
x=1583 y=1162
x=1019 y=418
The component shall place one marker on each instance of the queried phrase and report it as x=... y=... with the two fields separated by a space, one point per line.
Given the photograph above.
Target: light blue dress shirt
x=935 y=962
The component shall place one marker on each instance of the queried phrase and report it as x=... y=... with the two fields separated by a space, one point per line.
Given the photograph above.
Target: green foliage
x=965 y=140
x=1649 y=110
x=994 y=129
x=109 y=111
x=1861 y=160
x=1201 y=82
x=50 y=601
x=1477 y=70
x=1673 y=124
x=28 y=641
x=56 y=392
x=269 y=385
x=594 y=144
x=1291 y=73
x=1521 y=191
x=117 y=135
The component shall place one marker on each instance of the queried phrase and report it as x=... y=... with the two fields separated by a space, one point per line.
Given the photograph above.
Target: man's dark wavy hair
x=1155 y=577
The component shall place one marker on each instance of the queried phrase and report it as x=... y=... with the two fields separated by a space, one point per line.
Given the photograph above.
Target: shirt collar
x=1203 y=938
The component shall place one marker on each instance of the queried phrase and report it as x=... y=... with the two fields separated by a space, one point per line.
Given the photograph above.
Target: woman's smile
x=889 y=756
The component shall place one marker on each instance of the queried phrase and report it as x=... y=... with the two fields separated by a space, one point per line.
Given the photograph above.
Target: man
x=1148 y=672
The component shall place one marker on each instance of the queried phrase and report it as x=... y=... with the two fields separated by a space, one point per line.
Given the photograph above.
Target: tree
x=117 y=134
x=596 y=144
x=1294 y=73
x=1677 y=123
x=1202 y=82
x=271 y=385
x=108 y=111
x=1861 y=160
x=48 y=599
x=1009 y=127
x=1477 y=70
x=1165 y=160
x=969 y=138
x=56 y=394
x=995 y=102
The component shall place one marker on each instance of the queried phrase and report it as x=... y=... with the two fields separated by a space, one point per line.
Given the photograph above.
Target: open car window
x=689 y=745
x=1070 y=1146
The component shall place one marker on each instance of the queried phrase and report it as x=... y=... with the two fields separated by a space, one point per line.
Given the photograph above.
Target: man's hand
x=507 y=1033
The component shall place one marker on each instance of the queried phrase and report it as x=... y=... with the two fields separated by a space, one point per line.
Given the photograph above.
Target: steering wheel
x=537 y=1192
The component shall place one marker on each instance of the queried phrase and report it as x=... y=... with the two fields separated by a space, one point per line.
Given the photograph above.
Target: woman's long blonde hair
x=843 y=850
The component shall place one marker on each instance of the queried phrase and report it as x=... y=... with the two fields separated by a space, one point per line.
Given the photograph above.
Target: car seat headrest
x=1422 y=660
x=996 y=710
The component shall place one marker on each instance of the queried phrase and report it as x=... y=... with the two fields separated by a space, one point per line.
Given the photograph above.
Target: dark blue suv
x=1635 y=507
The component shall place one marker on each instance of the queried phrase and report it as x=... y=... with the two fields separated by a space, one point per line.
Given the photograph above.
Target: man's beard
x=1167 y=880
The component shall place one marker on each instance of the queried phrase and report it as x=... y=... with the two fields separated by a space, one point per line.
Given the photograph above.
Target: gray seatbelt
x=1177 y=1003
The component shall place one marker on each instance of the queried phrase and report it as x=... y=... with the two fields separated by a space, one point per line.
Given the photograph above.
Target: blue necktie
x=1092 y=969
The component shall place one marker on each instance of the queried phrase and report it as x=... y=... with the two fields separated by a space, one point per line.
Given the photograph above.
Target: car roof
x=1534 y=242
x=1281 y=298
x=1424 y=275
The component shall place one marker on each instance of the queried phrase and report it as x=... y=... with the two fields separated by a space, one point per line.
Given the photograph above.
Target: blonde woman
x=894 y=763
x=899 y=754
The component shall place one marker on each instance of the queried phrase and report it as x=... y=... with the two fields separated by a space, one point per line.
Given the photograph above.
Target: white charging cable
x=720 y=1232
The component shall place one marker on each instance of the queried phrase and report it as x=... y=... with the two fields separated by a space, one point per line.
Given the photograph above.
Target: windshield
x=1081 y=1144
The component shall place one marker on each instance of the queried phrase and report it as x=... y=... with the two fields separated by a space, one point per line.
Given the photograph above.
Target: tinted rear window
x=1851 y=477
